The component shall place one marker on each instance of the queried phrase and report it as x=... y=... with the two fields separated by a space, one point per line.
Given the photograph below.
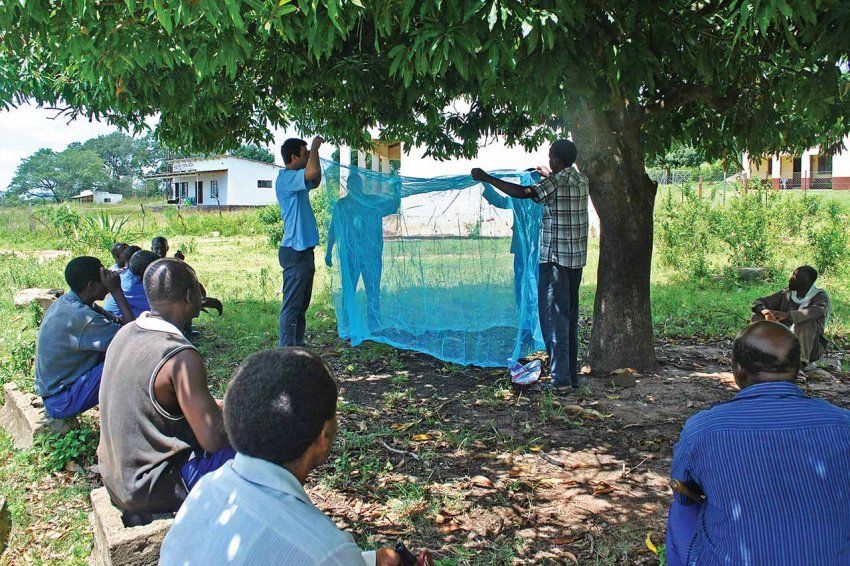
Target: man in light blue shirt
x=132 y=286
x=301 y=174
x=280 y=416
x=73 y=338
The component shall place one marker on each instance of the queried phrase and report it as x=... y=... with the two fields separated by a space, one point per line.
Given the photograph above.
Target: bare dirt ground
x=455 y=460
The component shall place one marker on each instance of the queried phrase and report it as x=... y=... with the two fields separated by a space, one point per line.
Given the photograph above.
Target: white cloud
x=25 y=129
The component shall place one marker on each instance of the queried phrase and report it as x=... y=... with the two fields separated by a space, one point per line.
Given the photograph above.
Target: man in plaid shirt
x=563 y=254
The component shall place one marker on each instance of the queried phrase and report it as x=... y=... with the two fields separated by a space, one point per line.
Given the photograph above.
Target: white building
x=98 y=197
x=220 y=180
x=811 y=169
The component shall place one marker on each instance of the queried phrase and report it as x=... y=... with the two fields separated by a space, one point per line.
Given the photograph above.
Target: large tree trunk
x=611 y=156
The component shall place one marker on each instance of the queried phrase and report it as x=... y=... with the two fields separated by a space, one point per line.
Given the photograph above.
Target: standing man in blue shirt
x=301 y=174
x=766 y=476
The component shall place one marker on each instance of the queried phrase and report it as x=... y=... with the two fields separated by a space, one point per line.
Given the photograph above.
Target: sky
x=27 y=128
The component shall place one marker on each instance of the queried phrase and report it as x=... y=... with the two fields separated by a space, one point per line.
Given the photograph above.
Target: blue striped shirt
x=775 y=469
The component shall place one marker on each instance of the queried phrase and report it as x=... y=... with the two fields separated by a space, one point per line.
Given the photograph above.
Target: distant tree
x=58 y=176
x=118 y=152
x=680 y=156
x=253 y=151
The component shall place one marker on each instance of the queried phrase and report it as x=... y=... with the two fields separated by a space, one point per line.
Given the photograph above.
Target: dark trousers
x=298 y=270
x=557 y=304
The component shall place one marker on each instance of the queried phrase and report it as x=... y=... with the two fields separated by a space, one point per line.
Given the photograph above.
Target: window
x=264 y=184
x=214 y=189
x=824 y=164
x=107 y=200
x=798 y=165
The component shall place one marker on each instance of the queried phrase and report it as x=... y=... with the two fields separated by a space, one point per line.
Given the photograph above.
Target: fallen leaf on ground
x=481 y=481
x=450 y=528
x=420 y=437
x=571 y=556
x=402 y=427
x=649 y=544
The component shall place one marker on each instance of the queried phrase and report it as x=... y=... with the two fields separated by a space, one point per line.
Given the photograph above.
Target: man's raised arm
x=313 y=171
x=510 y=189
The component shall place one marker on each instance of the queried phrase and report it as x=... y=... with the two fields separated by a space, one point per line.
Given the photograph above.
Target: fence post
x=699 y=188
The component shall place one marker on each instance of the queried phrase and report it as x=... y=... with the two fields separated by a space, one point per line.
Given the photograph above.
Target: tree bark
x=611 y=156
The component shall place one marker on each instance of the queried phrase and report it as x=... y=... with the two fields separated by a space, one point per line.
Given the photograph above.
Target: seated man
x=280 y=414
x=131 y=284
x=159 y=246
x=160 y=428
x=766 y=473
x=73 y=337
x=803 y=307
x=118 y=249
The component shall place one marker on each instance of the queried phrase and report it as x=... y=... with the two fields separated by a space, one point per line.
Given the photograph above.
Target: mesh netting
x=445 y=266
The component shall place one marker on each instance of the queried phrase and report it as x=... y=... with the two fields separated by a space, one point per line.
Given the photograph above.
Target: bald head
x=765 y=351
x=171 y=283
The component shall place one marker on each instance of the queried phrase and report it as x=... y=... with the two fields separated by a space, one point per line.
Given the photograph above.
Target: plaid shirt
x=563 y=238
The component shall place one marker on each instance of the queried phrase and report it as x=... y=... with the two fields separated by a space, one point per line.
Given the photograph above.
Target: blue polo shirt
x=775 y=468
x=134 y=292
x=300 y=231
x=72 y=339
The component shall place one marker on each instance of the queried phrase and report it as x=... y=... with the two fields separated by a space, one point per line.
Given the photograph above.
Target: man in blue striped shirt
x=773 y=465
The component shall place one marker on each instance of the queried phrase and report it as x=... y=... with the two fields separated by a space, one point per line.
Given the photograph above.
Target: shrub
x=100 y=230
x=60 y=221
x=686 y=233
x=749 y=228
x=828 y=237
x=54 y=451
x=269 y=218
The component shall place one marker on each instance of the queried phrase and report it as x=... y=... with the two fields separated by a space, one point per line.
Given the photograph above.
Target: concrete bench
x=23 y=417
x=115 y=543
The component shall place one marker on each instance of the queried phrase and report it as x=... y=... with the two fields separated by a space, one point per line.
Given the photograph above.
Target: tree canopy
x=58 y=176
x=723 y=76
x=253 y=151
x=626 y=79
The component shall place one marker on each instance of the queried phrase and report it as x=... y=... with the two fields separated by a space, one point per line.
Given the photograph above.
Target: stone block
x=752 y=273
x=624 y=378
x=44 y=297
x=23 y=417
x=115 y=543
x=5 y=524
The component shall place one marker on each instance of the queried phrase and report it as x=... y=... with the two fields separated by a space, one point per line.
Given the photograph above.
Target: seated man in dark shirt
x=802 y=307
x=159 y=246
x=131 y=284
x=763 y=477
x=73 y=337
x=160 y=427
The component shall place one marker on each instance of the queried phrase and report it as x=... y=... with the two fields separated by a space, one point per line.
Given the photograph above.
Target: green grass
x=239 y=267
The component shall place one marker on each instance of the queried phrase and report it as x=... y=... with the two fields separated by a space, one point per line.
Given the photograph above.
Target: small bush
x=17 y=365
x=53 y=451
x=749 y=228
x=828 y=237
x=686 y=233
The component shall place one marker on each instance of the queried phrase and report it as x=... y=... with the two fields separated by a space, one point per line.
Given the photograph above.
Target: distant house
x=219 y=180
x=98 y=197
x=812 y=169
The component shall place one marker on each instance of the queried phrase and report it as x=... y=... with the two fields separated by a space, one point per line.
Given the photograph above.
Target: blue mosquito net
x=445 y=266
